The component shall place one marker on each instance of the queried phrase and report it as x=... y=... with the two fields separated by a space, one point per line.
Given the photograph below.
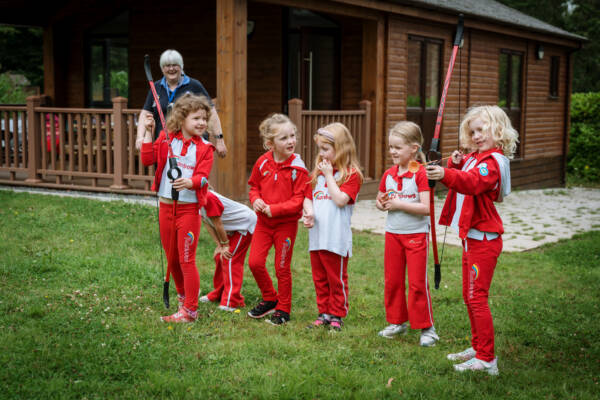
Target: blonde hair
x=495 y=123
x=411 y=134
x=269 y=128
x=184 y=106
x=346 y=161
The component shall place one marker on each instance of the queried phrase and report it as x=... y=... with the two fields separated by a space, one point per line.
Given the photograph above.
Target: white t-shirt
x=187 y=164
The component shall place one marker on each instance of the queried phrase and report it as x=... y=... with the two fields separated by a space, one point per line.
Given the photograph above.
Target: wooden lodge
x=366 y=63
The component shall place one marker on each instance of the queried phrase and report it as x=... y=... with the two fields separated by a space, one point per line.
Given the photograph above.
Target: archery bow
x=434 y=155
x=174 y=172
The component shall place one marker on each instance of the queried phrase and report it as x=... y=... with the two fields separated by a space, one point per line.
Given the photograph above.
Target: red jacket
x=158 y=152
x=481 y=186
x=280 y=185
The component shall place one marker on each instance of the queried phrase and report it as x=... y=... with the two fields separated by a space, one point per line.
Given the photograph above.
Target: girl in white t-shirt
x=404 y=194
x=336 y=181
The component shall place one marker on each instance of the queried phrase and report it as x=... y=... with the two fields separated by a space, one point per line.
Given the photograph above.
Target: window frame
x=511 y=110
x=423 y=70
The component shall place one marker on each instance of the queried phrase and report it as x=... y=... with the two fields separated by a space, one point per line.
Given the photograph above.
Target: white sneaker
x=464 y=355
x=428 y=337
x=475 y=364
x=204 y=299
x=225 y=308
x=390 y=331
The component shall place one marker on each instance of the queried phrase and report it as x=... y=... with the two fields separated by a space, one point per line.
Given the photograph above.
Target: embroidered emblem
x=475 y=271
x=293 y=175
x=266 y=173
x=483 y=169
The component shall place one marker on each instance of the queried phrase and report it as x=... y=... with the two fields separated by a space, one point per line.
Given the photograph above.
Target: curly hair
x=184 y=106
x=495 y=123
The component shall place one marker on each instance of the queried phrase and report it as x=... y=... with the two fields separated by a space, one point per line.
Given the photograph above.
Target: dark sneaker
x=322 y=320
x=279 y=318
x=263 y=308
x=336 y=323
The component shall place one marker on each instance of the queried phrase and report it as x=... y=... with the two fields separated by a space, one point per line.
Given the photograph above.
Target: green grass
x=80 y=300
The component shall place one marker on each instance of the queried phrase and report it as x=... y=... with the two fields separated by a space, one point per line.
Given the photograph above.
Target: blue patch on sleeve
x=483 y=170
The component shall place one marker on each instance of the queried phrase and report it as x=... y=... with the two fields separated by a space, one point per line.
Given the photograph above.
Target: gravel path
x=531 y=217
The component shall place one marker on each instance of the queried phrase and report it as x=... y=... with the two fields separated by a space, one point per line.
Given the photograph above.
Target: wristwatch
x=219 y=136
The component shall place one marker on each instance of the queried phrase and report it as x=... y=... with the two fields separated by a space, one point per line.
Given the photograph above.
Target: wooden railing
x=72 y=148
x=308 y=121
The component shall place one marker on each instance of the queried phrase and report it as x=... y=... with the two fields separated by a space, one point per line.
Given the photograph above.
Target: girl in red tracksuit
x=475 y=181
x=336 y=181
x=277 y=186
x=180 y=220
x=231 y=225
x=404 y=193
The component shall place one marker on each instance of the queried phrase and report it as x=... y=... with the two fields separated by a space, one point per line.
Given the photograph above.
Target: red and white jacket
x=482 y=178
x=158 y=152
x=280 y=185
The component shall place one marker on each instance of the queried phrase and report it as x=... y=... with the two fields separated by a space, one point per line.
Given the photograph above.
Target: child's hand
x=259 y=205
x=308 y=219
x=225 y=253
x=325 y=167
x=267 y=210
x=434 y=172
x=457 y=157
x=382 y=202
x=182 y=183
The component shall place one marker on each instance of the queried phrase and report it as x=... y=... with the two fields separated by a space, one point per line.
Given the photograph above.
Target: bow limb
x=434 y=153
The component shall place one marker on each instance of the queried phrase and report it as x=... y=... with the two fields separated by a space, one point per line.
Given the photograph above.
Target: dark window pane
x=414 y=74
x=554 y=68
x=119 y=79
x=503 y=82
x=432 y=78
x=97 y=72
x=516 y=81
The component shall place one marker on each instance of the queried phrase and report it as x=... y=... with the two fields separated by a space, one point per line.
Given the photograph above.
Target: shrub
x=584 y=144
x=10 y=92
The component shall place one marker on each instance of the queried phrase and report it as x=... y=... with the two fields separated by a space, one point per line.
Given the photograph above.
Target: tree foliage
x=21 y=53
x=584 y=143
x=581 y=17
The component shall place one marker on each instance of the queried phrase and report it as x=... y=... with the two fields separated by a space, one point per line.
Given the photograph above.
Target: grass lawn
x=81 y=296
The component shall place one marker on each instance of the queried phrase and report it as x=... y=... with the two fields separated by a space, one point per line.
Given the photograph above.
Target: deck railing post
x=119 y=142
x=366 y=136
x=34 y=139
x=295 y=114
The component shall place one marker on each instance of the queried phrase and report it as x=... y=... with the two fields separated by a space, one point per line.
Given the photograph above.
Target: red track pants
x=407 y=254
x=229 y=274
x=282 y=236
x=478 y=264
x=330 y=275
x=180 y=247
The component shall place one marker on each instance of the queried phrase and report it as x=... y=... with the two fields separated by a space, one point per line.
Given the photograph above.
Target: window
x=510 y=75
x=424 y=83
x=554 y=69
x=108 y=62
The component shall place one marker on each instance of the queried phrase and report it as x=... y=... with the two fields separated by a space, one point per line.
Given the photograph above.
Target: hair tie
x=326 y=133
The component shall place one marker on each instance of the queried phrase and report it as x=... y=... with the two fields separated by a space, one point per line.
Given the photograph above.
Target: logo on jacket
x=293 y=175
x=390 y=194
x=474 y=271
x=483 y=169
x=266 y=173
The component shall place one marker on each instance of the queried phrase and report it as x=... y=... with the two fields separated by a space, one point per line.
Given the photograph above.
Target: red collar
x=269 y=156
x=398 y=178
x=186 y=142
x=481 y=156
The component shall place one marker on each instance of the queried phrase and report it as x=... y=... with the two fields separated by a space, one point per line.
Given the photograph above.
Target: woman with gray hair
x=173 y=85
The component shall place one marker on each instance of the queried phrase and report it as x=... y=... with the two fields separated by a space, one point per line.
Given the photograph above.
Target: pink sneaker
x=182 y=315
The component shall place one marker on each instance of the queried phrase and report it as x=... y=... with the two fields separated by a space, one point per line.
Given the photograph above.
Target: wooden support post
x=119 y=142
x=34 y=139
x=365 y=149
x=232 y=54
x=373 y=80
x=295 y=114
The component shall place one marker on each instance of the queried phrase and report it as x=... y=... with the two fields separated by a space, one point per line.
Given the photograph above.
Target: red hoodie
x=481 y=185
x=280 y=185
x=158 y=152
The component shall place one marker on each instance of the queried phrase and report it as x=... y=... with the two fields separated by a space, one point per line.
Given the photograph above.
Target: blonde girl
x=404 y=194
x=336 y=181
x=277 y=185
x=180 y=219
x=475 y=181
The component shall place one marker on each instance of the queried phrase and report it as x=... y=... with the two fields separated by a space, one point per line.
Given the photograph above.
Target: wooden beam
x=327 y=7
x=373 y=89
x=49 y=63
x=232 y=55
